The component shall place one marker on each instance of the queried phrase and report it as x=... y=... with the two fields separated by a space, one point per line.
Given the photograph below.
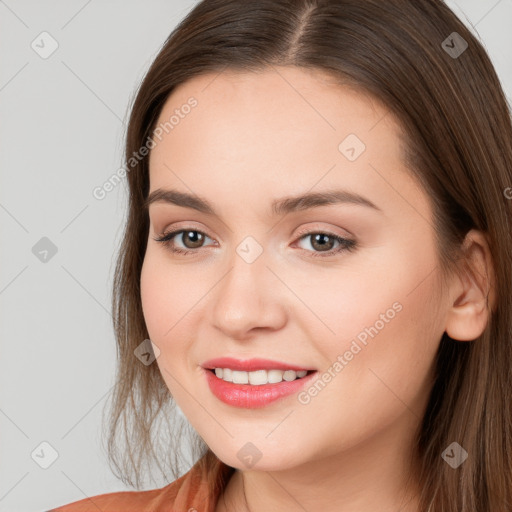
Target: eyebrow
x=278 y=207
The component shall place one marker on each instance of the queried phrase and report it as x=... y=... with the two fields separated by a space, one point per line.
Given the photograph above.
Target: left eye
x=193 y=239
x=322 y=246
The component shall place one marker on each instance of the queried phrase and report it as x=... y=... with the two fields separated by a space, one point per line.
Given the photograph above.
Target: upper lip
x=249 y=365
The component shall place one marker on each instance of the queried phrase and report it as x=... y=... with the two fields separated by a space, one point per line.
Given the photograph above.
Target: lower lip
x=248 y=396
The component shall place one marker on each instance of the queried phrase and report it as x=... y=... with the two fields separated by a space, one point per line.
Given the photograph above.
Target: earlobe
x=473 y=291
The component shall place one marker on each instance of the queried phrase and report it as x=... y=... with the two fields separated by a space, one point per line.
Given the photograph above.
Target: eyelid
x=169 y=235
x=317 y=227
x=189 y=225
x=346 y=243
x=185 y=226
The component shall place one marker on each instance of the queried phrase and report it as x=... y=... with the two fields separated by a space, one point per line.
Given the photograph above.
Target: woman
x=318 y=247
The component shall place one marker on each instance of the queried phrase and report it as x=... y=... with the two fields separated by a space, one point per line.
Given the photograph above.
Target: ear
x=472 y=294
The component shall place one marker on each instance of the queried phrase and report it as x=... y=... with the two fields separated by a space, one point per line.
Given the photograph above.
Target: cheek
x=387 y=329
x=173 y=297
x=167 y=293
x=156 y=302
x=161 y=310
x=365 y=289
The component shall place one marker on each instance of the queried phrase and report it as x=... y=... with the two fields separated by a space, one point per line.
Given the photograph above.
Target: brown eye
x=189 y=239
x=192 y=239
x=326 y=244
x=320 y=241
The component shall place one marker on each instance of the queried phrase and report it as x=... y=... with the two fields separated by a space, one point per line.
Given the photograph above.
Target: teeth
x=240 y=377
x=258 y=377
x=275 y=376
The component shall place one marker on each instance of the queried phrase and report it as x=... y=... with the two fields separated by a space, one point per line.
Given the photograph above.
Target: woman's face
x=275 y=282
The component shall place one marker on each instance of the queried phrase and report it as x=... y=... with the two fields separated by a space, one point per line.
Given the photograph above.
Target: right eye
x=191 y=239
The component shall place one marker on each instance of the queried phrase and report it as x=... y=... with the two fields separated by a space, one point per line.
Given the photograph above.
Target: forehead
x=292 y=102
x=280 y=130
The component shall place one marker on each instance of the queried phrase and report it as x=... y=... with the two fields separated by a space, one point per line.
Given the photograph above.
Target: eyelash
x=345 y=244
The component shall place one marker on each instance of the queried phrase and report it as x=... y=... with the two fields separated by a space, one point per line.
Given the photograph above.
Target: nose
x=248 y=298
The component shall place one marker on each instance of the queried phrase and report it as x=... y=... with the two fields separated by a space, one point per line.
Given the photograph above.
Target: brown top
x=192 y=492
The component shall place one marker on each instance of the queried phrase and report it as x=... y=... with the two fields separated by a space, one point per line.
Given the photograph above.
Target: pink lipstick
x=253 y=396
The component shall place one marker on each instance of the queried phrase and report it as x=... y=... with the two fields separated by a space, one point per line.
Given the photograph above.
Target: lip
x=250 y=365
x=247 y=396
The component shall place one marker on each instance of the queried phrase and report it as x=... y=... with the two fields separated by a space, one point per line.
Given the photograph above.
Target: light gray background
x=61 y=134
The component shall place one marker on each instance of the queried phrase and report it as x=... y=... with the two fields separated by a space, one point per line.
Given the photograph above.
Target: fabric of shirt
x=189 y=493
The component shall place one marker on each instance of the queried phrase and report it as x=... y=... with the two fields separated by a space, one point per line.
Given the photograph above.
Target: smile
x=258 y=377
x=254 y=396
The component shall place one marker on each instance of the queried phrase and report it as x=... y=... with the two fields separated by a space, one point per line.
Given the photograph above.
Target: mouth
x=256 y=389
x=259 y=377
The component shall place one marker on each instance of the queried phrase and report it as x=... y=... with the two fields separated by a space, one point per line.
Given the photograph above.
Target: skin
x=252 y=138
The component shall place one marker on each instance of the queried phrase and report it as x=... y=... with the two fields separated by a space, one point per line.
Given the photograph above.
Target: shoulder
x=198 y=489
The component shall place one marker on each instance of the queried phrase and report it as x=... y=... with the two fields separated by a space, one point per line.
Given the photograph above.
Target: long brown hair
x=458 y=144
